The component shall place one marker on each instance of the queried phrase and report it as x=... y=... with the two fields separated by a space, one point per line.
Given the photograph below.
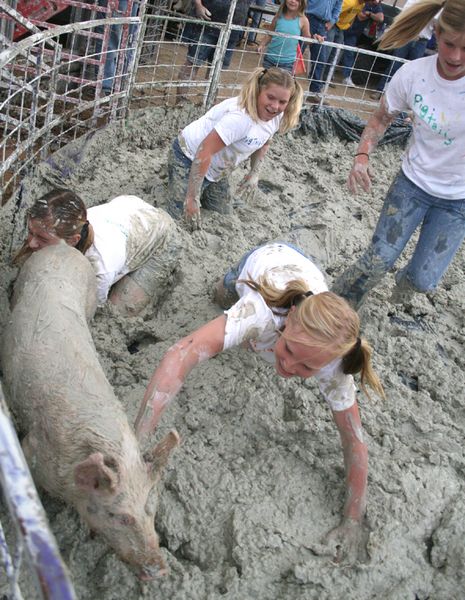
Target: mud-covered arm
x=173 y=369
x=355 y=461
x=210 y=146
x=379 y=121
x=249 y=183
x=347 y=542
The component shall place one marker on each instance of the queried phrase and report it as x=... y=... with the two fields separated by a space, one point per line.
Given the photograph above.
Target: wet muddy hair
x=408 y=24
x=330 y=323
x=282 y=10
x=262 y=78
x=63 y=212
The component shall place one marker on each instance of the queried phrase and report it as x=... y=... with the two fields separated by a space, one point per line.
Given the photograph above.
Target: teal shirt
x=281 y=50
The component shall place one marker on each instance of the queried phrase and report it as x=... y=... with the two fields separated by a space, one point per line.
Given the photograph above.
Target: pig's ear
x=158 y=456
x=95 y=473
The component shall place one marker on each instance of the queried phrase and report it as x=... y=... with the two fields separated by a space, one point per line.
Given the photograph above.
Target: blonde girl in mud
x=210 y=148
x=132 y=246
x=278 y=305
x=429 y=190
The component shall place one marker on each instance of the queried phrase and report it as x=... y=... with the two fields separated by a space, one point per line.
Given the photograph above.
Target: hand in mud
x=347 y=543
x=248 y=187
x=203 y=13
x=360 y=176
x=192 y=215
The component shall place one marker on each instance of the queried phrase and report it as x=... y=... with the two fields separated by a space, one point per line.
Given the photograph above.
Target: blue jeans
x=410 y=51
x=347 y=38
x=231 y=277
x=256 y=17
x=202 y=42
x=270 y=62
x=111 y=60
x=215 y=195
x=318 y=54
x=406 y=206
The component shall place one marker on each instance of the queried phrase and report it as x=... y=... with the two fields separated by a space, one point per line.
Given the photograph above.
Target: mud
x=258 y=479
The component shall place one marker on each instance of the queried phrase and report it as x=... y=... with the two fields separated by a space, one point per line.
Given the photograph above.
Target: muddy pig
x=77 y=439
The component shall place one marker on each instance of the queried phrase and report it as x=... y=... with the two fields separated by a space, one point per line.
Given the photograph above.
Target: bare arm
x=355 y=461
x=173 y=369
x=305 y=27
x=373 y=132
x=267 y=38
x=210 y=146
x=349 y=539
x=249 y=183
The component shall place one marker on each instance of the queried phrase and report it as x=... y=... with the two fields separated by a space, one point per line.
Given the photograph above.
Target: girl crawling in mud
x=279 y=306
x=129 y=243
x=210 y=148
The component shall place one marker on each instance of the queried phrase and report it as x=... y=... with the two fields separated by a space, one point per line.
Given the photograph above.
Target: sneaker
x=375 y=95
x=348 y=82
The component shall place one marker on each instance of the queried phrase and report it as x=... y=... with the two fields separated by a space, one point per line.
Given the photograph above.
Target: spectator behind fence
x=280 y=51
x=429 y=191
x=411 y=51
x=202 y=40
x=322 y=15
x=114 y=43
x=256 y=19
x=349 y=11
x=372 y=13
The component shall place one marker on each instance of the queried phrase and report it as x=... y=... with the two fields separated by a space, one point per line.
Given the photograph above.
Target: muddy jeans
x=231 y=277
x=156 y=274
x=215 y=195
x=406 y=206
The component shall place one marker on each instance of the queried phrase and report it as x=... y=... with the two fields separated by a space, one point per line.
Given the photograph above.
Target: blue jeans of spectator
x=269 y=61
x=318 y=54
x=114 y=41
x=405 y=208
x=256 y=17
x=202 y=42
x=348 y=57
x=346 y=38
x=410 y=51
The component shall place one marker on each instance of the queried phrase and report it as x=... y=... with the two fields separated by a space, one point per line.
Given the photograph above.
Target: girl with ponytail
x=429 y=190
x=132 y=246
x=279 y=306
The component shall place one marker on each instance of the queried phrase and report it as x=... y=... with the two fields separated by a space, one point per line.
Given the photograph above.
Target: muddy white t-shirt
x=250 y=320
x=239 y=132
x=127 y=231
x=435 y=156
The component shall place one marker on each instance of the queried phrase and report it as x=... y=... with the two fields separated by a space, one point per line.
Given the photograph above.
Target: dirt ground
x=258 y=478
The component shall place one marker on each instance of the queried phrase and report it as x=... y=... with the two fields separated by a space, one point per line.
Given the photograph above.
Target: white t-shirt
x=435 y=157
x=251 y=320
x=241 y=134
x=127 y=231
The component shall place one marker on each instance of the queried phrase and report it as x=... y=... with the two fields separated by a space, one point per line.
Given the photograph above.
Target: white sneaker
x=348 y=82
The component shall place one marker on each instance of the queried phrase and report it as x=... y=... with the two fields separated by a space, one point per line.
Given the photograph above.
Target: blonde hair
x=408 y=24
x=282 y=10
x=65 y=214
x=329 y=322
x=262 y=78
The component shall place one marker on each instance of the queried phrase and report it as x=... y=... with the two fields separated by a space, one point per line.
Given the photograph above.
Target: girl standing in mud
x=279 y=307
x=129 y=243
x=208 y=149
x=430 y=187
